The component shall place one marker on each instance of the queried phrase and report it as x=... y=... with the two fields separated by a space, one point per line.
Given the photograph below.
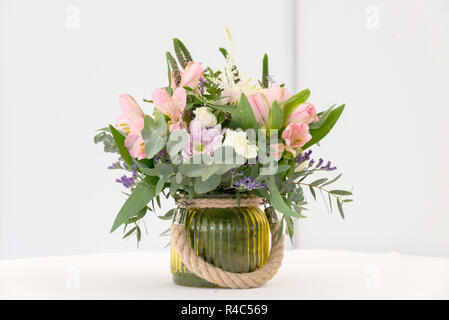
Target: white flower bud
x=240 y=143
x=205 y=117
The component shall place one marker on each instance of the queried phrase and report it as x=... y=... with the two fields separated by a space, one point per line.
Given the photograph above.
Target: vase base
x=192 y=280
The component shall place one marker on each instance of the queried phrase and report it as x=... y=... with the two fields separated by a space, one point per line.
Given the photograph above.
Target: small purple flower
x=115 y=165
x=306 y=156
x=202 y=140
x=128 y=182
x=249 y=183
x=159 y=155
x=202 y=81
x=235 y=173
x=303 y=157
x=328 y=167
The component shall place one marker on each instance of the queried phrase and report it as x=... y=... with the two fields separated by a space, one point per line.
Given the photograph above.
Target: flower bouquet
x=223 y=146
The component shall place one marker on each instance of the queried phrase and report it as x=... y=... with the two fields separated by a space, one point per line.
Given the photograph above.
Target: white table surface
x=305 y=274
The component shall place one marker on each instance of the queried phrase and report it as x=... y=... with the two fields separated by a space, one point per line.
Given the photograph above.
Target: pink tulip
x=131 y=122
x=295 y=136
x=189 y=76
x=261 y=102
x=305 y=112
x=172 y=106
x=276 y=150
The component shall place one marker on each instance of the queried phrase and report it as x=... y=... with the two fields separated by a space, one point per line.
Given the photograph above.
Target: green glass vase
x=233 y=239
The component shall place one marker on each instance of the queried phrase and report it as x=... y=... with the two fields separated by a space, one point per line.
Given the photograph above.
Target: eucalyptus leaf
x=166 y=232
x=160 y=184
x=210 y=170
x=177 y=141
x=277 y=201
x=130 y=232
x=318 y=182
x=136 y=201
x=224 y=108
x=210 y=184
x=312 y=191
x=192 y=170
x=154 y=134
x=290 y=227
x=340 y=209
x=168 y=215
x=341 y=192
x=282 y=168
x=164 y=169
x=332 y=181
x=178 y=178
x=150 y=172
x=223 y=168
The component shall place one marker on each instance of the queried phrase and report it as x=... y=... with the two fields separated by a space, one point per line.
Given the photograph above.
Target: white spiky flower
x=232 y=83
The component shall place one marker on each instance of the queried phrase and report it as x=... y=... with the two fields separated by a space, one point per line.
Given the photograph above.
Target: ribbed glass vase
x=233 y=239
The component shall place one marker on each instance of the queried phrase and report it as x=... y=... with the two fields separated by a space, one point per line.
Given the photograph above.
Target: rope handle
x=223 y=278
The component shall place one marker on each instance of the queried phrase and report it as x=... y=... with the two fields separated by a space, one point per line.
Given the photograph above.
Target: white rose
x=239 y=142
x=205 y=117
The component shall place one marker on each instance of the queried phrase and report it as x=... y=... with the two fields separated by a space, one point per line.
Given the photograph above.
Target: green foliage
x=137 y=200
x=224 y=52
x=177 y=141
x=166 y=174
x=322 y=116
x=276 y=119
x=174 y=67
x=277 y=201
x=107 y=139
x=210 y=184
x=192 y=170
x=290 y=105
x=243 y=116
x=181 y=52
x=290 y=227
x=332 y=195
x=264 y=81
x=326 y=126
x=154 y=134
x=119 y=139
x=168 y=215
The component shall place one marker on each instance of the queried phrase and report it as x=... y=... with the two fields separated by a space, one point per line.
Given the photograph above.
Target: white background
x=63 y=64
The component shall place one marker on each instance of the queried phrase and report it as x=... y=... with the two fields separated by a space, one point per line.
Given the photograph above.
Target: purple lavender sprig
x=119 y=165
x=249 y=183
x=306 y=156
x=235 y=173
x=202 y=81
x=159 y=155
x=128 y=182
x=115 y=165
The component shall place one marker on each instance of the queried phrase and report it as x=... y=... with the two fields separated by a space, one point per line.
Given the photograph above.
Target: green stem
x=321 y=189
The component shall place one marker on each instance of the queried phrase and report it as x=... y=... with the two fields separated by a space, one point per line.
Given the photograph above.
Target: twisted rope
x=223 y=278
x=219 y=202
